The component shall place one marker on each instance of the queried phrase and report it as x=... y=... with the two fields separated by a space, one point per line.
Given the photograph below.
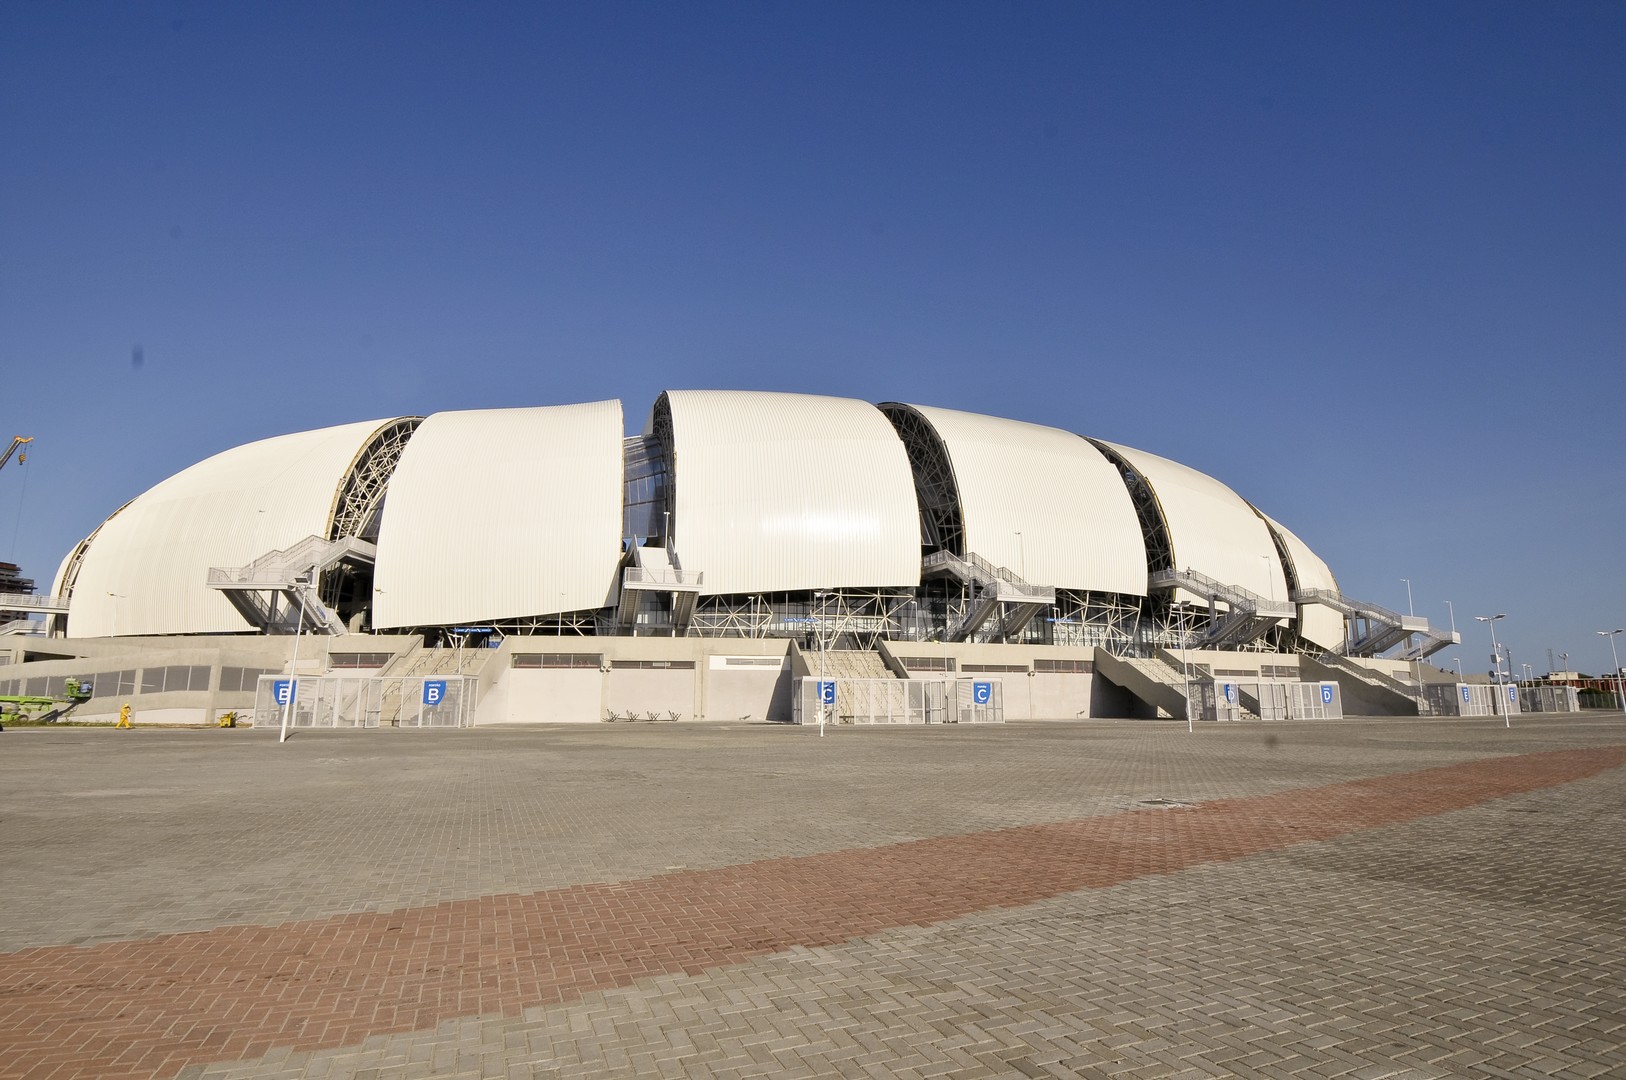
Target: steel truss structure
x=936 y=490
x=359 y=502
x=1154 y=526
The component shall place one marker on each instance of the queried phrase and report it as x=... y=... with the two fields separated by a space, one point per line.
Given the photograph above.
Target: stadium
x=537 y=565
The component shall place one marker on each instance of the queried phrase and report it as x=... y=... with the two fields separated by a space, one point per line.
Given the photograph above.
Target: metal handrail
x=1234 y=595
x=1339 y=602
x=32 y=602
x=681 y=578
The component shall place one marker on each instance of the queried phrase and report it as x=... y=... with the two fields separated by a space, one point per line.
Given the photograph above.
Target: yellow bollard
x=124 y=716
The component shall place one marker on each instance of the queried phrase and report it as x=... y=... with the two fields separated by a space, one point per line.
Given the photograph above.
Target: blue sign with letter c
x=827 y=692
x=982 y=693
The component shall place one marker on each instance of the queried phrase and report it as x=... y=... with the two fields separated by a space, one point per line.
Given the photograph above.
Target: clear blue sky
x=1363 y=262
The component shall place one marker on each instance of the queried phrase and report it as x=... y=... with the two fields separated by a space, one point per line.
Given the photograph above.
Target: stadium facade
x=899 y=540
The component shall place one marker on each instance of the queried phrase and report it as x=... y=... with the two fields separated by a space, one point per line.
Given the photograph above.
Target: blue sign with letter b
x=433 y=691
x=282 y=690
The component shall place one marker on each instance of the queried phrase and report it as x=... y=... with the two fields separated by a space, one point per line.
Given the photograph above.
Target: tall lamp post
x=303 y=581
x=116 y=598
x=1620 y=692
x=821 y=597
x=1496 y=659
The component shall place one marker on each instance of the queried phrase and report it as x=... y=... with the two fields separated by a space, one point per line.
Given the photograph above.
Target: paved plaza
x=1362 y=898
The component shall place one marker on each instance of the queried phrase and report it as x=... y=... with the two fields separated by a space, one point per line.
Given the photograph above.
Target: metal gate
x=901 y=701
x=351 y=701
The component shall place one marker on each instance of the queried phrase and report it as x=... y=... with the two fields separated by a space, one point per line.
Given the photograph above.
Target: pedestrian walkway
x=1297 y=900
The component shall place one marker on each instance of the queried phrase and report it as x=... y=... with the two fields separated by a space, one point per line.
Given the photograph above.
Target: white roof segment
x=502 y=513
x=147 y=569
x=1212 y=529
x=1042 y=502
x=778 y=492
x=1322 y=625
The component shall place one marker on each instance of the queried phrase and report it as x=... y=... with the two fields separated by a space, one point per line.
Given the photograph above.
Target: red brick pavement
x=146 y=1009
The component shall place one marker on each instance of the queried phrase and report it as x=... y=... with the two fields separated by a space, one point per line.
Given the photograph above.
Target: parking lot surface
x=1360 y=898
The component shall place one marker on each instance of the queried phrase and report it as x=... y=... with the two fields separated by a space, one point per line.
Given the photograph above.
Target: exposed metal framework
x=646 y=477
x=660 y=423
x=1154 y=526
x=1109 y=621
x=359 y=502
x=70 y=573
x=942 y=524
x=358 y=508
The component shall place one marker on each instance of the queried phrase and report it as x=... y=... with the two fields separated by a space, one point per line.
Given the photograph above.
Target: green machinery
x=46 y=708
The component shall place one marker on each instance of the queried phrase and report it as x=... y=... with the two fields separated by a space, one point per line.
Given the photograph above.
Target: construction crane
x=17 y=443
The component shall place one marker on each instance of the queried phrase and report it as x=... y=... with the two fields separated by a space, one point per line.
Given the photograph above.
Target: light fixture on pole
x=1620 y=691
x=1453 y=612
x=1458 y=661
x=1496 y=661
x=1022 y=554
x=116 y=598
x=821 y=597
x=303 y=581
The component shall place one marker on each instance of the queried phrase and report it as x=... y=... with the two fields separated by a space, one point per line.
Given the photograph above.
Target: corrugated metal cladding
x=147 y=569
x=1321 y=625
x=1213 y=529
x=790 y=491
x=1043 y=502
x=502 y=513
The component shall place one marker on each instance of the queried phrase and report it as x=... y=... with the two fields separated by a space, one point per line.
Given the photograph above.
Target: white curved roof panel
x=147 y=568
x=1319 y=624
x=777 y=492
x=502 y=513
x=1042 y=502
x=1213 y=530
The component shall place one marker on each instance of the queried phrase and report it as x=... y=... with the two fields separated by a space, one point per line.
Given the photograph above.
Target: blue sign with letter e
x=283 y=691
x=1513 y=694
x=433 y=691
x=982 y=692
x=1465 y=695
x=827 y=691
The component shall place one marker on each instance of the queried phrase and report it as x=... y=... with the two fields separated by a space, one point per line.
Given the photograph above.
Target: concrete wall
x=95 y=658
x=730 y=679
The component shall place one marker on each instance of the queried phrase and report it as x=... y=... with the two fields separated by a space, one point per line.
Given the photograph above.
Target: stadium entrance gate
x=366 y=701
x=901 y=701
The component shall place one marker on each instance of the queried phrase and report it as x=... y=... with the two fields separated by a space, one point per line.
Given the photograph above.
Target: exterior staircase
x=999 y=592
x=1236 y=616
x=272 y=591
x=654 y=571
x=1373 y=629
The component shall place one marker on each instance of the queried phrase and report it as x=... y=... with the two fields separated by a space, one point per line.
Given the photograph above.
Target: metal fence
x=901 y=701
x=1267 y=699
x=1473 y=699
x=353 y=701
x=1549 y=699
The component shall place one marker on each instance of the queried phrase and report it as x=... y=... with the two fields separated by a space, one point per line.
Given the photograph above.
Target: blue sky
x=1364 y=263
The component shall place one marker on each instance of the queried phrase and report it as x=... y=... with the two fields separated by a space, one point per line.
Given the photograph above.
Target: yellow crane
x=17 y=442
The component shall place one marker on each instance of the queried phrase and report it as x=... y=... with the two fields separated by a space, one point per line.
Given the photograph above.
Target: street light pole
x=822 y=598
x=116 y=598
x=1458 y=661
x=1620 y=691
x=1453 y=612
x=1496 y=658
x=293 y=664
